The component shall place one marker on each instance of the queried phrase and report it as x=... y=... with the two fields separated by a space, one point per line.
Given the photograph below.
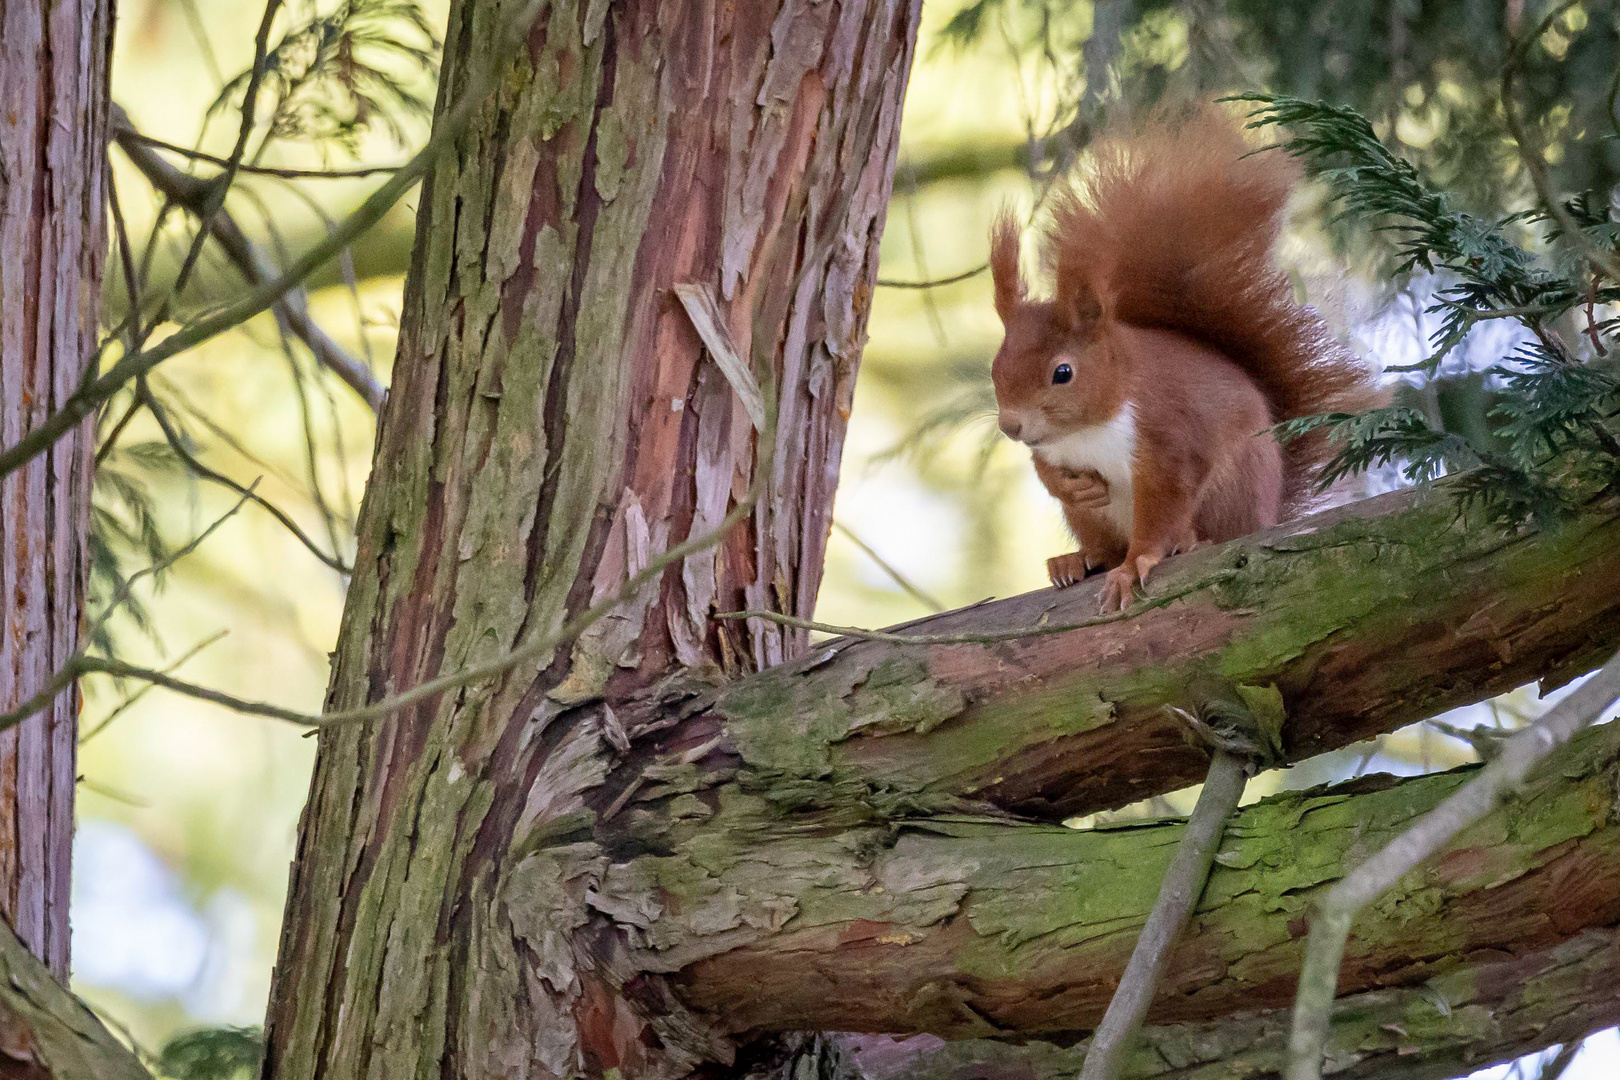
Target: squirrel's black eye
x=1062 y=374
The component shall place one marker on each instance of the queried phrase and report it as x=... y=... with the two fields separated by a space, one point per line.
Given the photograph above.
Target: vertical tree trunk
x=555 y=423
x=53 y=122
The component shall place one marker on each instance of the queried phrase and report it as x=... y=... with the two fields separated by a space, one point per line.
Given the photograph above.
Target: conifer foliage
x=1556 y=440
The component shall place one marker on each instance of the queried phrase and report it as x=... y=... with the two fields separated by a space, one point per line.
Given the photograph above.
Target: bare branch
x=454 y=120
x=933 y=283
x=192 y=194
x=1017 y=633
x=1183 y=884
x=893 y=572
x=220 y=187
x=261 y=170
x=1330 y=927
x=1531 y=155
x=177 y=443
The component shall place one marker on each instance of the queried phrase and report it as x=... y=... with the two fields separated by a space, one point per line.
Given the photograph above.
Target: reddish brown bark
x=555 y=422
x=53 y=117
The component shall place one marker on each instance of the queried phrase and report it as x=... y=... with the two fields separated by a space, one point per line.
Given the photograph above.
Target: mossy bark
x=554 y=424
x=972 y=927
x=53 y=81
x=1338 y=626
x=1489 y=1008
x=48 y=1034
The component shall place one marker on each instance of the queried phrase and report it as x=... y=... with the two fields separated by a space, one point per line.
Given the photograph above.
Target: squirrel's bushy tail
x=1172 y=226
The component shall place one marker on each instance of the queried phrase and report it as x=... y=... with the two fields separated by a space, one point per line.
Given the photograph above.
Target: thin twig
x=220 y=186
x=1330 y=926
x=891 y=283
x=1535 y=164
x=177 y=444
x=123 y=594
x=1014 y=634
x=358 y=173
x=1183 y=884
x=79 y=663
x=129 y=701
x=893 y=572
x=192 y=194
x=451 y=124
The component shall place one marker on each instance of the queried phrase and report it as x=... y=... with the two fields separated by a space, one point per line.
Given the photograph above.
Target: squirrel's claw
x=1066 y=570
x=1119 y=588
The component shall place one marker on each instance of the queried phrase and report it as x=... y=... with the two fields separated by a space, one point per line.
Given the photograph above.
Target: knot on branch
x=1246 y=721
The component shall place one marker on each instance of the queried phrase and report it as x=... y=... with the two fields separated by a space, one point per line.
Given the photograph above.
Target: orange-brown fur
x=1185 y=344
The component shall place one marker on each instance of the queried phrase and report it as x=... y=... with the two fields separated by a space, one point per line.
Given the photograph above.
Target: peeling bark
x=53 y=82
x=1488 y=1009
x=971 y=927
x=555 y=422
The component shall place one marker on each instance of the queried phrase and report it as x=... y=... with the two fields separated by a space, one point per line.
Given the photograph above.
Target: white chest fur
x=1110 y=449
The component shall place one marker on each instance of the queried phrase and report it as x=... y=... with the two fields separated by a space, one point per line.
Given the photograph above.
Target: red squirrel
x=1146 y=385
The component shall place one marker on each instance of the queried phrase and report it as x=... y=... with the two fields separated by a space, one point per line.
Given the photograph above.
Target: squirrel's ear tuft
x=1078 y=254
x=1078 y=299
x=1004 y=264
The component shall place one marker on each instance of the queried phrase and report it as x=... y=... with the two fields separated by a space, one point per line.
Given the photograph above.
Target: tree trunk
x=553 y=425
x=53 y=82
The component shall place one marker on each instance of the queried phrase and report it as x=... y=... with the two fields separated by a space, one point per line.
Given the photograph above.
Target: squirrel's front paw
x=1066 y=570
x=1082 y=488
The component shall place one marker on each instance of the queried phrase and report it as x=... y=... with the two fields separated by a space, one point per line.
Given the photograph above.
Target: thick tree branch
x=45 y=1032
x=1487 y=1009
x=1365 y=618
x=972 y=927
x=1505 y=775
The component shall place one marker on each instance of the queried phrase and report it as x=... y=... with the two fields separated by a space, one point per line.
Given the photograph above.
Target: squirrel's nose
x=1011 y=426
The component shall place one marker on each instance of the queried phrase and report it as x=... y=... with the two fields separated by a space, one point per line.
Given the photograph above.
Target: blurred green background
x=188 y=812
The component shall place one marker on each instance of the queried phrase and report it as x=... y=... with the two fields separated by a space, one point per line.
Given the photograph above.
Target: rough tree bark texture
x=48 y=1034
x=613 y=863
x=1351 y=623
x=1489 y=1008
x=969 y=927
x=555 y=422
x=53 y=120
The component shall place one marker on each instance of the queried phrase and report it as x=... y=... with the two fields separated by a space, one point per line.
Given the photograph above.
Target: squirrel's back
x=1174 y=223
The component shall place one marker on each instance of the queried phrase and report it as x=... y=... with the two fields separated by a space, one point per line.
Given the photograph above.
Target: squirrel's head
x=1055 y=372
